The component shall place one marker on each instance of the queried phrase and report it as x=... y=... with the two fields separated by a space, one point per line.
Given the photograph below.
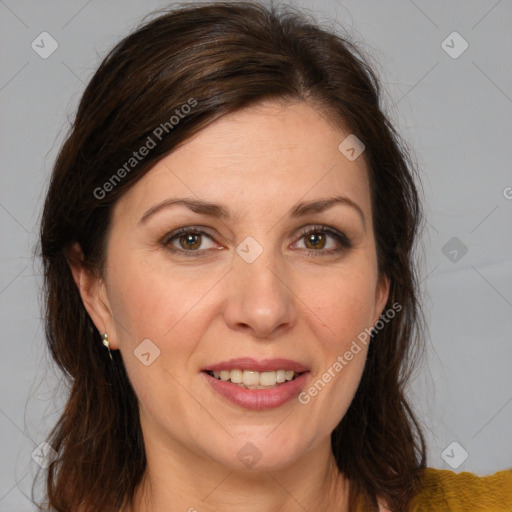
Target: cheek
x=156 y=303
x=341 y=306
x=341 y=316
x=332 y=388
x=149 y=306
x=169 y=308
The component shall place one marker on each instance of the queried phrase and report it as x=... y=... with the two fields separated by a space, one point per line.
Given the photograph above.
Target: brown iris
x=316 y=239
x=190 y=240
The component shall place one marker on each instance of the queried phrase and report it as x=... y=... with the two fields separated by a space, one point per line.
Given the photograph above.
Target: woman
x=227 y=241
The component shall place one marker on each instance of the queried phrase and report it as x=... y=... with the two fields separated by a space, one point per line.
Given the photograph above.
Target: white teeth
x=268 y=378
x=251 y=378
x=237 y=376
x=255 y=380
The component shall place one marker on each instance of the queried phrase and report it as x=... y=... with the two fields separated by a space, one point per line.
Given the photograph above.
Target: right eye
x=187 y=241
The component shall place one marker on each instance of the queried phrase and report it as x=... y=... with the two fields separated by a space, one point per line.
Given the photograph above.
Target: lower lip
x=258 y=399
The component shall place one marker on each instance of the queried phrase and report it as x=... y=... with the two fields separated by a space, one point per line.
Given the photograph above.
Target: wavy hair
x=226 y=56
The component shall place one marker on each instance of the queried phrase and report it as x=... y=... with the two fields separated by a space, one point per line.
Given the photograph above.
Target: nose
x=260 y=299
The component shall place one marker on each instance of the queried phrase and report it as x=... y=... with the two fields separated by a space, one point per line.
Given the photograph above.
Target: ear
x=381 y=297
x=93 y=293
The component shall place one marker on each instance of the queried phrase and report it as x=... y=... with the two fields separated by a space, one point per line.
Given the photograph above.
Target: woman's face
x=244 y=281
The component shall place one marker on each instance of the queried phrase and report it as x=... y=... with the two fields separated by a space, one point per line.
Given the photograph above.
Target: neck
x=186 y=482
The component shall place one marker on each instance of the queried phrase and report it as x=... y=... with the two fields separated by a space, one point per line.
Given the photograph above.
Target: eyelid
x=186 y=229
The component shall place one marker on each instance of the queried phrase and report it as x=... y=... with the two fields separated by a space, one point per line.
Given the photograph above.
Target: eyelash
x=341 y=238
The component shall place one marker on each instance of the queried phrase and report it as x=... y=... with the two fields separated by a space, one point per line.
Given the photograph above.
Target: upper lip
x=263 y=365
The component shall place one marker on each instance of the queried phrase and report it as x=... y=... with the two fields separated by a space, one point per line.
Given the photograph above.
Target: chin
x=262 y=452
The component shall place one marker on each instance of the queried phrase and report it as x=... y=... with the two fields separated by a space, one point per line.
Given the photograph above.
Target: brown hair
x=220 y=57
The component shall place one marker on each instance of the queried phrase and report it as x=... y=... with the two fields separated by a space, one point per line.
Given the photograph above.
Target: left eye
x=317 y=240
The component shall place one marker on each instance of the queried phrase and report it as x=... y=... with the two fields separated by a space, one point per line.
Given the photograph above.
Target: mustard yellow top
x=447 y=491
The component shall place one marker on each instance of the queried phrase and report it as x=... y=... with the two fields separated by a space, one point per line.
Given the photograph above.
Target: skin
x=259 y=163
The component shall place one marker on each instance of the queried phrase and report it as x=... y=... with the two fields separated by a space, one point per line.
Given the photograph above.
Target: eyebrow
x=221 y=212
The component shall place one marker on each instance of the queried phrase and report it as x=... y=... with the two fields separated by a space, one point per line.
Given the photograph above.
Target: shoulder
x=443 y=490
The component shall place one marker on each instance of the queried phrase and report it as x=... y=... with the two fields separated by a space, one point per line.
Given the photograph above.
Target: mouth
x=250 y=379
x=257 y=385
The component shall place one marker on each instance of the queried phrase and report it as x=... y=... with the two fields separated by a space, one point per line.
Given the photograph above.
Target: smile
x=250 y=379
x=257 y=385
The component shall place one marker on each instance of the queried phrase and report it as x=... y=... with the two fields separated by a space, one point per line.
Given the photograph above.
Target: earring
x=107 y=344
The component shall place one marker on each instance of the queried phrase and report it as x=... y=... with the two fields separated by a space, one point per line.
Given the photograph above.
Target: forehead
x=255 y=160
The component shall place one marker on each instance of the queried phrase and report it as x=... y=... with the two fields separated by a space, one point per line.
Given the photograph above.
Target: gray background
x=455 y=112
